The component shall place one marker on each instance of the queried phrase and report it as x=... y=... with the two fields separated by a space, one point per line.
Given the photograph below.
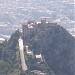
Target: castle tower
x=43 y=20
x=28 y=32
x=25 y=31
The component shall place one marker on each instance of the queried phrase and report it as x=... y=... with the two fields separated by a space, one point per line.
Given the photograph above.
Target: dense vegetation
x=57 y=45
x=8 y=55
x=10 y=59
x=54 y=42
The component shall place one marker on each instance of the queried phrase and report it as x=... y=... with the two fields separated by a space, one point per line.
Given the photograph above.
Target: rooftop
x=38 y=56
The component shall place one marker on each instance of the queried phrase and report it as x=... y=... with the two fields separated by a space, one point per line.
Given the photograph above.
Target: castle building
x=30 y=28
x=28 y=32
x=43 y=20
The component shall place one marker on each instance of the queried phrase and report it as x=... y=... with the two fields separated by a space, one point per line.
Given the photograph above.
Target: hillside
x=57 y=46
x=9 y=59
x=10 y=63
x=53 y=41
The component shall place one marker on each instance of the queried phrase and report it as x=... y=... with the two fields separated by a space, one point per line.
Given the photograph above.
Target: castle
x=30 y=28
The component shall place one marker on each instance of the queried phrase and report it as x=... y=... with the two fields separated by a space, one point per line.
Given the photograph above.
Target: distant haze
x=16 y=11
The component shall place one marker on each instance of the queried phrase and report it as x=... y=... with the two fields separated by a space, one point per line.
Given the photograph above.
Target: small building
x=2 y=40
x=39 y=58
x=29 y=52
x=37 y=72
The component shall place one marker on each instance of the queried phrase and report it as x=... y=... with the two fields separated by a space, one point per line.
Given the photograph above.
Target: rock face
x=57 y=45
